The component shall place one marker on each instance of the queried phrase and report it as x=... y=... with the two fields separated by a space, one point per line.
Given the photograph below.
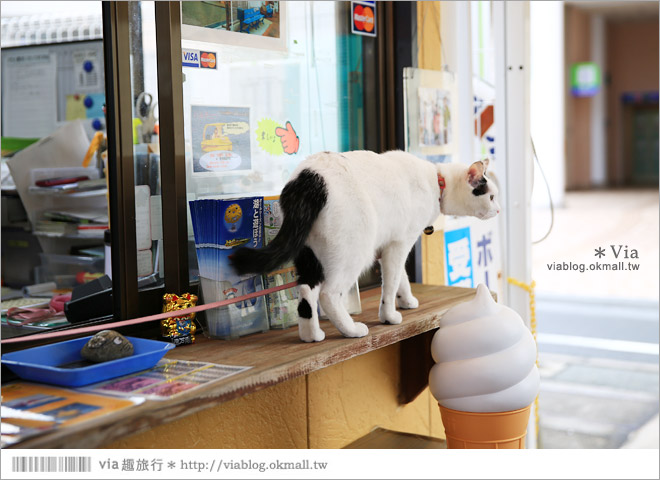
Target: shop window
x=286 y=71
x=298 y=75
x=55 y=209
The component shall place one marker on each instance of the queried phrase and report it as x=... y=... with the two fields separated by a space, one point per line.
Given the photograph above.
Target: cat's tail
x=301 y=201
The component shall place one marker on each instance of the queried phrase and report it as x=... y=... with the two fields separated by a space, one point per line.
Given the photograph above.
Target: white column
x=547 y=93
x=513 y=149
x=448 y=34
x=464 y=83
x=598 y=112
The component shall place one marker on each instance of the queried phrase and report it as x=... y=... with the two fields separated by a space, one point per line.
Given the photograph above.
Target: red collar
x=442 y=185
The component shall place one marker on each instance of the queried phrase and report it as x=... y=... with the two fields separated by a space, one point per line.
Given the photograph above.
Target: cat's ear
x=476 y=174
x=486 y=162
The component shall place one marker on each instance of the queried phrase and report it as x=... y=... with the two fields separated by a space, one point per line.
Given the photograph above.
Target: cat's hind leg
x=310 y=276
x=340 y=277
x=333 y=305
x=404 y=297
x=392 y=262
x=308 y=316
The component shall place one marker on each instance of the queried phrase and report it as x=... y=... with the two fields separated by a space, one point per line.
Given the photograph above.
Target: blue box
x=46 y=364
x=221 y=226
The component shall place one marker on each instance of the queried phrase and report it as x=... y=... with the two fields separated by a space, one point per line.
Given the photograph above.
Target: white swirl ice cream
x=485 y=358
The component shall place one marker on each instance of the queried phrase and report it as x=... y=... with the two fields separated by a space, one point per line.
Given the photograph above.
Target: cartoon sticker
x=275 y=139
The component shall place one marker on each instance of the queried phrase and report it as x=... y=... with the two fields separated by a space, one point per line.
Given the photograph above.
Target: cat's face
x=469 y=190
x=484 y=191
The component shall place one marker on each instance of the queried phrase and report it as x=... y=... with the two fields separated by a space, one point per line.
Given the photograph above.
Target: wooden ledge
x=275 y=356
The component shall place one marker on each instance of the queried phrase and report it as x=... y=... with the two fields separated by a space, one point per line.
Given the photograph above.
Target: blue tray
x=45 y=364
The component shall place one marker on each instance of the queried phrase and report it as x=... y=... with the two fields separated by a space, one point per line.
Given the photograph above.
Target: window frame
x=387 y=54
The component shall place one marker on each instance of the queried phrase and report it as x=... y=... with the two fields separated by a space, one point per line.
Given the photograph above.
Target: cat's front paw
x=392 y=317
x=359 y=329
x=407 y=302
x=308 y=334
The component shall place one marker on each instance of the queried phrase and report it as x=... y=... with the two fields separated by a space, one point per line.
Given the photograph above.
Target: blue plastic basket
x=44 y=364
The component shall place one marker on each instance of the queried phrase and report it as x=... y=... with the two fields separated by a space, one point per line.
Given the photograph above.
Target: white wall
x=12 y=9
x=547 y=92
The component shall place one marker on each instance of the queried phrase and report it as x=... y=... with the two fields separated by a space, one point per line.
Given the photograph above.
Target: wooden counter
x=275 y=356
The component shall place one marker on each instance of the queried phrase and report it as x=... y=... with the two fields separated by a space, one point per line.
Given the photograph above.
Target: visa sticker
x=190 y=58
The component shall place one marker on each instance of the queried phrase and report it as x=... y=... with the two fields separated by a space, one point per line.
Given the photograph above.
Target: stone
x=105 y=346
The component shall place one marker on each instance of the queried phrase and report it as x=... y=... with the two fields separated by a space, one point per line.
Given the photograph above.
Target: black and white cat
x=344 y=210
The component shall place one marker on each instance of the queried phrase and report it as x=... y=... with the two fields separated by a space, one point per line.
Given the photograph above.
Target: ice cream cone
x=485 y=430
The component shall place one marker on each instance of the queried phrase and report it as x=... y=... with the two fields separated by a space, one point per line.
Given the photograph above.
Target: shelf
x=70 y=236
x=50 y=192
x=275 y=356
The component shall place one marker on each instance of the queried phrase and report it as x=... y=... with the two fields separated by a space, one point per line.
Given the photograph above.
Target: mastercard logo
x=363 y=18
x=207 y=59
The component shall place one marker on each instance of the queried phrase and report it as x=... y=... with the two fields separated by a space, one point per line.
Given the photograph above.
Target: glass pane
x=146 y=149
x=483 y=80
x=54 y=196
x=304 y=86
x=265 y=85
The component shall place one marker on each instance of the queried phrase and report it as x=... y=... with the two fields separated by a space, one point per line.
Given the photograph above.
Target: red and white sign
x=363 y=18
x=207 y=60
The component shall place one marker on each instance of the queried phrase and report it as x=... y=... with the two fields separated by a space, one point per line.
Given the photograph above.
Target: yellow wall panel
x=428 y=35
x=433 y=260
x=437 y=428
x=271 y=418
x=346 y=401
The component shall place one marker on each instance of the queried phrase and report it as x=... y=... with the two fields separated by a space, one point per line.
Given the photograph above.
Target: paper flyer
x=56 y=408
x=167 y=379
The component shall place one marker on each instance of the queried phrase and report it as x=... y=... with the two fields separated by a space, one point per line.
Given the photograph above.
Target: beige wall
x=632 y=60
x=631 y=66
x=578 y=110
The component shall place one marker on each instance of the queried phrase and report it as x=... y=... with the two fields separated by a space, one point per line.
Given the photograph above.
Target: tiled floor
x=597 y=403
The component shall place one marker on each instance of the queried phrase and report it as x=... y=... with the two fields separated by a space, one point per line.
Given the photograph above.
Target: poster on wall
x=220 y=139
x=246 y=24
x=434 y=117
x=429 y=113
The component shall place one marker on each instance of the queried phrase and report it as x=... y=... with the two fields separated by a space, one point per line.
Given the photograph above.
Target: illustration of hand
x=290 y=140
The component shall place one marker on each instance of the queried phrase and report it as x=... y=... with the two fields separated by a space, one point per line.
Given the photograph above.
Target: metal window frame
x=128 y=300
x=119 y=113
x=172 y=146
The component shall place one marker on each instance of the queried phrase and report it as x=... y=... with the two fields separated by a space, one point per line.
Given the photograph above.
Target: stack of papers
x=90 y=222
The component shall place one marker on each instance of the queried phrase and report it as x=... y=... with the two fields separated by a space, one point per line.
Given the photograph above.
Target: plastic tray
x=45 y=364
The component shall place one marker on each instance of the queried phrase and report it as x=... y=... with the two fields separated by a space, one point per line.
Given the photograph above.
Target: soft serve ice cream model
x=485 y=377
